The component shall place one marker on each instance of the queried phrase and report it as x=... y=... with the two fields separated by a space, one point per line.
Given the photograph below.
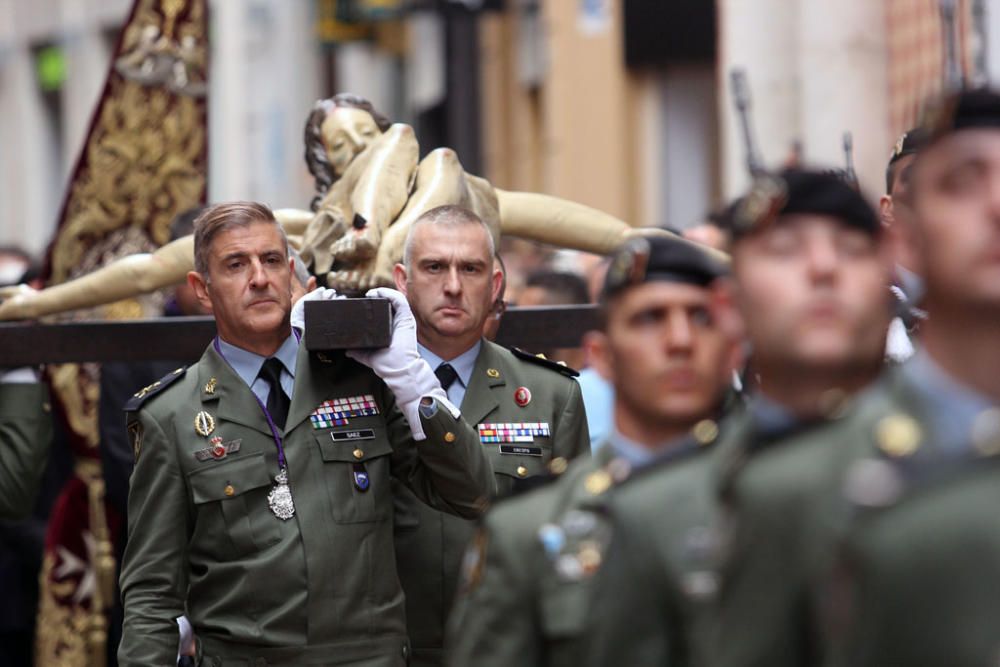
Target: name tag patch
x=515 y=432
x=520 y=450
x=357 y=434
x=337 y=411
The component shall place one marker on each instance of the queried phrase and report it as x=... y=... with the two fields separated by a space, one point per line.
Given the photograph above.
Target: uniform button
x=558 y=465
x=229 y=490
x=449 y=437
x=406 y=651
x=47 y=407
x=358 y=453
x=522 y=471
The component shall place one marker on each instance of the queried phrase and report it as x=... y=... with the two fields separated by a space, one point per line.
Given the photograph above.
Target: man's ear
x=885 y=210
x=497 y=286
x=597 y=352
x=399 y=277
x=200 y=287
x=725 y=313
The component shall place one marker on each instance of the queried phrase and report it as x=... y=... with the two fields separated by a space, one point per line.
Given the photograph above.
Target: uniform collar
x=463 y=363
x=247 y=364
x=950 y=406
x=639 y=455
x=770 y=417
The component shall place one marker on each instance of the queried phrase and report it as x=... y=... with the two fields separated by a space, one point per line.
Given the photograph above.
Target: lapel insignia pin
x=493 y=373
x=210 y=386
x=204 y=424
x=522 y=396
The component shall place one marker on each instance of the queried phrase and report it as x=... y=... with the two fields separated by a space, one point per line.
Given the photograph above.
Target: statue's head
x=337 y=130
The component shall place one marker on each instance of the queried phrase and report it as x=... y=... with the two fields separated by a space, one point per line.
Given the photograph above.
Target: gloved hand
x=22 y=375
x=400 y=366
x=299 y=308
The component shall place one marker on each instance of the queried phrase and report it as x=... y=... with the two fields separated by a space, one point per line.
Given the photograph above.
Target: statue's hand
x=16 y=302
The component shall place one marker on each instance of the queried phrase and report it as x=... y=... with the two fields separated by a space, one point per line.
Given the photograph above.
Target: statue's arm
x=564 y=223
x=124 y=278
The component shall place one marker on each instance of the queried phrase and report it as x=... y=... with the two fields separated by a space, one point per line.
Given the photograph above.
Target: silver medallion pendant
x=280 y=497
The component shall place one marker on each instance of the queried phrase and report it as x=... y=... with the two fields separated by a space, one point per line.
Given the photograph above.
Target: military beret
x=662 y=258
x=963 y=110
x=909 y=143
x=792 y=191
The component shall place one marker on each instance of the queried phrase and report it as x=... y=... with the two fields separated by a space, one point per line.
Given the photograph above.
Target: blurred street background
x=619 y=104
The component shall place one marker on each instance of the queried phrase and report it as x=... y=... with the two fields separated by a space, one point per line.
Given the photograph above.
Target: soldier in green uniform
x=907 y=285
x=529 y=573
x=25 y=439
x=528 y=410
x=810 y=271
x=260 y=504
x=916 y=577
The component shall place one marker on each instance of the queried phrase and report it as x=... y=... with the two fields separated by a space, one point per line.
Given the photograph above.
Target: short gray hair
x=451 y=216
x=221 y=217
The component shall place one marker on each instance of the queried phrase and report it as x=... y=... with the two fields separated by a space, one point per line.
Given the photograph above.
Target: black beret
x=909 y=143
x=663 y=258
x=792 y=191
x=963 y=110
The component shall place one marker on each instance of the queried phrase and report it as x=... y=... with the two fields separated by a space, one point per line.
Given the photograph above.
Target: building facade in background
x=619 y=104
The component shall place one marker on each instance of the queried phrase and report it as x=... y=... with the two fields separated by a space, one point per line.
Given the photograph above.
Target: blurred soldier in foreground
x=916 y=579
x=528 y=574
x=528 y=411
x=810 y=271
x=809 y=278
x=260 y=504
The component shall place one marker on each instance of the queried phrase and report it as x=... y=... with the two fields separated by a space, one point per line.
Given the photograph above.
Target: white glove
x=400 y=366
x=318 y=294
x=23 y=375
x=186 y=645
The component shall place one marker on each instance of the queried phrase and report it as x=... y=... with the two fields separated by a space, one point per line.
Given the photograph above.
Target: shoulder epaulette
x=147 y=392
x=542 y=361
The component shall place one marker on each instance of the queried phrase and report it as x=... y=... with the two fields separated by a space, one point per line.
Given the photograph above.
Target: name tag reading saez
x=358 y=434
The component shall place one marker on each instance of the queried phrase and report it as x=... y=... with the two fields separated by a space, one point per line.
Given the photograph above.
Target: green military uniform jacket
x=429 y=543
x=528 y=575
x=319 y=589
x=25 y=439
x=916 y=575
x=659 y=577
x=774 y=487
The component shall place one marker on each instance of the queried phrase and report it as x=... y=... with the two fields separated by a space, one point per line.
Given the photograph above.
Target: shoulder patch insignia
x=135 y=437
x=147 y=392
x=542 y=361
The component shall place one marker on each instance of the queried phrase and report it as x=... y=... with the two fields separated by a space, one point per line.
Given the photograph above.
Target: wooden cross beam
x=334 y=325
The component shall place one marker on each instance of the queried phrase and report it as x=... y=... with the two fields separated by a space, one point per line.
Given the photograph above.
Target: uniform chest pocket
x=356 y=466
x=516 y=461
x=230 y=498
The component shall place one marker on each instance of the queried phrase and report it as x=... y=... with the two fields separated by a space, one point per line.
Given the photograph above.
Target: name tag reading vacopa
x=357 y=434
